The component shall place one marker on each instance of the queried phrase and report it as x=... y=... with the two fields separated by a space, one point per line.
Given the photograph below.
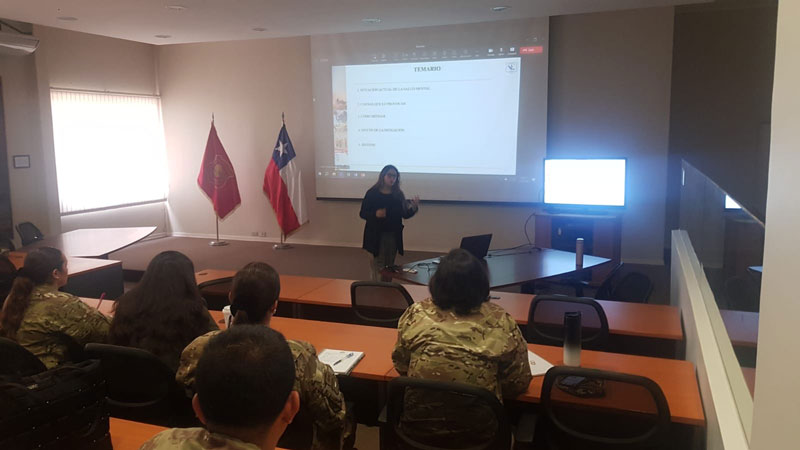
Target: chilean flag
x=284 y=187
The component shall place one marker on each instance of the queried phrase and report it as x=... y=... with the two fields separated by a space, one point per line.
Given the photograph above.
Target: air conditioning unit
x=17 y=44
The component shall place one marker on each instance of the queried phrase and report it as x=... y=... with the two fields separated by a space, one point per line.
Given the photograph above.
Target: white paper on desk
x=538 y=364
x=341 y=361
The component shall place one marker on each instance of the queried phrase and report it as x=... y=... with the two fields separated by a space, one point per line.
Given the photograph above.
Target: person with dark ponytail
x=164 y=312
x=45 y=321
x=384 y=207
x=254 y=299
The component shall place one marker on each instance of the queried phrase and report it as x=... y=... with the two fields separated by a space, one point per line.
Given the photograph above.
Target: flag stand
x=283 y=245
x=217 y=242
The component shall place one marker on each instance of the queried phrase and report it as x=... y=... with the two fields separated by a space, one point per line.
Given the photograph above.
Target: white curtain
x=109 y=149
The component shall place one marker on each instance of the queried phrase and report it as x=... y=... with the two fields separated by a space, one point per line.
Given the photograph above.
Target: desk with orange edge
x=676 y=378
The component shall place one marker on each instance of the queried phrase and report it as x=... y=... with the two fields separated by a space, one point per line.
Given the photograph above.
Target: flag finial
x=212 y=117
x=283 y=118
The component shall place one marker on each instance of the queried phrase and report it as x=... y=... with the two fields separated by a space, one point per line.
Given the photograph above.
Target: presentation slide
x=461 y=110
x=429 y=118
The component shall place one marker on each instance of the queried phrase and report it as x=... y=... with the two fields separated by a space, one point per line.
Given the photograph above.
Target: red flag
x=217 y=178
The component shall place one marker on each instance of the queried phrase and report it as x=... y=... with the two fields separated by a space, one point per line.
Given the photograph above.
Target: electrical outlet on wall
x=254 y=233
x=263 y=234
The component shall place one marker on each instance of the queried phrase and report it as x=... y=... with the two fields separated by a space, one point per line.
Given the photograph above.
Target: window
x=109 y=149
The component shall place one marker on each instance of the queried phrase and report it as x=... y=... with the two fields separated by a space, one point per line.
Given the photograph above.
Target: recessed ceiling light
x=259 y=29
x=371 y=21
x=176 y=7
x=67 y=18
x=163 y=36
x=500 y=8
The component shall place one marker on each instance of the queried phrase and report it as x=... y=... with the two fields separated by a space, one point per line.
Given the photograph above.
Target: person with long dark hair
x=384 y=207
x=254 y=299
x=458 y=336
x=52 y=325
x=164 y=312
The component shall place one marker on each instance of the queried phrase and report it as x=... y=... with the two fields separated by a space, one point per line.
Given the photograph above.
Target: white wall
x=609 y=84
x=777 y=394
x=610 y=95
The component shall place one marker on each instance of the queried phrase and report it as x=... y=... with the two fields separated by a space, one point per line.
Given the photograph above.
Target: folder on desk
x=539 y=366
x=341 y=361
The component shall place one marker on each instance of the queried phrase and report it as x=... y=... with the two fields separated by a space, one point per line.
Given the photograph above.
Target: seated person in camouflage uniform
x=244 y=394
x=164 y=312
x=458 y=336
x=254 y=299
x=52 y=325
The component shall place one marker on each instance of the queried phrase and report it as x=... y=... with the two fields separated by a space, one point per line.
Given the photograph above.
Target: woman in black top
x=384 y=207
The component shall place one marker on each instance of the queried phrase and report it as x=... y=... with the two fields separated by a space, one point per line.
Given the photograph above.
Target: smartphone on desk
x=571 y=381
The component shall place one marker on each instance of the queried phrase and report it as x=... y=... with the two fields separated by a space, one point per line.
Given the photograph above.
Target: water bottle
x=572 y=338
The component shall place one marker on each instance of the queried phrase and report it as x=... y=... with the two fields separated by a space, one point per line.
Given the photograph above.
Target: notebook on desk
x=341 y=361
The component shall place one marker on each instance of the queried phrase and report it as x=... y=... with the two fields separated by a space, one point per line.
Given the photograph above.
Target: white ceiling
x=224 y=20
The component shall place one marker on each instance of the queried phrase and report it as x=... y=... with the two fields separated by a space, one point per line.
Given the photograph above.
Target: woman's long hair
x=396 y=191
x=164 y=312
x=38 y=269
x=255 y=290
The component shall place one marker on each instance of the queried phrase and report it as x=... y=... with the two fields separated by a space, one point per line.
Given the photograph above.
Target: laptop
x=477 y=245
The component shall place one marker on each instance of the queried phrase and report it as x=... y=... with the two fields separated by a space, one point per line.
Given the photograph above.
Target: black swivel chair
x=215 y=293
x=571 y=422
x=28 y=233
x=379 y=303
x=8 y=271
x=474 y=415
x=17 y=360
x=546 y=320
x=141 y=387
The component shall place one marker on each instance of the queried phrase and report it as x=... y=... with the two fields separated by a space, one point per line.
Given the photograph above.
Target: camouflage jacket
x=194 y=439
x=314 y=381
x=484 y=348
x=50 y=317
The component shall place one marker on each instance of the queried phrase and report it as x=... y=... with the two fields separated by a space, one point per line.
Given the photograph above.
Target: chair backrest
x=137 y=379
x=378 y=302
x=604 y=291
x=616 y=411
x=28 y=233
x=215 y=292
x=17 y=360
x=546 y=320
x=8 y=271
x=633 y=287
x=429 y=415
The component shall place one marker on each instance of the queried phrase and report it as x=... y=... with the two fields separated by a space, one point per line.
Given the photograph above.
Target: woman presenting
x=384 y=207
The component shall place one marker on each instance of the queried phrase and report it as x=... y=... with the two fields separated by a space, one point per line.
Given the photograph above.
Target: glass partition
x=729 y=243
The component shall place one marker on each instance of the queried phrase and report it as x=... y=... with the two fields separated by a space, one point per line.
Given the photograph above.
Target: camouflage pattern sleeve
x=84 y=323
x=401 y=355
x=319 y=393
x=194 y=439
x=514 y=371
x=189 y=359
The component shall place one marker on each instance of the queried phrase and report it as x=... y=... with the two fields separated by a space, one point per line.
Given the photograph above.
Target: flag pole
x=217 y=242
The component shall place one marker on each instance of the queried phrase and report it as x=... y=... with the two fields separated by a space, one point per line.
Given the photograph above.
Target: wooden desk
x=507 y=268
x=676 y=378
x=94 y=242
x=627 y=319
x=292 y=286
x=128 y=435
x=87 y=277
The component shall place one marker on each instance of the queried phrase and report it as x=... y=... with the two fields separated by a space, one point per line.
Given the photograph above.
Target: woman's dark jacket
x=397 y=209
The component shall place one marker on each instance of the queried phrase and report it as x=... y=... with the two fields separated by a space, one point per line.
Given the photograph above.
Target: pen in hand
x=102 y=296
x=343 y=358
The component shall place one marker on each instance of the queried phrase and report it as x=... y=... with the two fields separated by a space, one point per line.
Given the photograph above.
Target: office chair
x=141 y=387
x=215 y=293
x=474 y=417
x=546 y=320
x=28 y=233
x=17 y=360
x=626 y=412
x=379 y=303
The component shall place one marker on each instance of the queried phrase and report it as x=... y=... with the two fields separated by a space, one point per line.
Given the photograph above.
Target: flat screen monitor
x=585 y=182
